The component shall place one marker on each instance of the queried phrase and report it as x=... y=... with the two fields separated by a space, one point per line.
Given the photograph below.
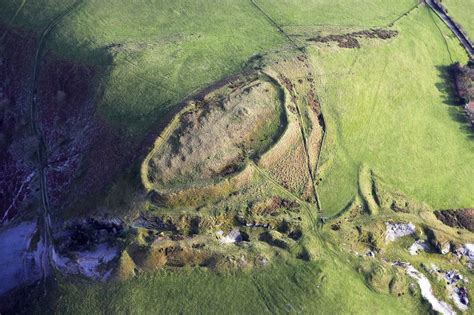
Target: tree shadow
x=447 y=86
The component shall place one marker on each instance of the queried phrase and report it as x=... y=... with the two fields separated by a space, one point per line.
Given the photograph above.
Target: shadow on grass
x=447 y=86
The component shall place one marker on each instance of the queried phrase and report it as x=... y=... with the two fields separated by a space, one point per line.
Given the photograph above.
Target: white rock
x=467 y=251
x=426 y=290
x=397 y=230
x=460 y=297
x=87 y=263
x=418 y=246
x=233 y=237
x=370 y=253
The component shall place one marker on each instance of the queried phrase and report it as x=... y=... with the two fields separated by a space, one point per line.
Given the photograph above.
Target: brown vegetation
x=292 y=161
x=213 y=140
x=350 y=40
x=460 y=218
x=17 y=144
x=125 y=268
x=464 y=76
x=464 y=80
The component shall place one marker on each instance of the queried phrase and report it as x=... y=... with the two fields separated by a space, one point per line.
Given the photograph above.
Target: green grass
x=461 y=12
x=154 y=53
x=366 y=13
x=31 y=15
x=385 y=106
x=327 y=287
x=151 y=54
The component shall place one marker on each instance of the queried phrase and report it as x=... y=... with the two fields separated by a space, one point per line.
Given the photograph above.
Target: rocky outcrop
x=397 y=230
x=439 y=241
x=426 y=289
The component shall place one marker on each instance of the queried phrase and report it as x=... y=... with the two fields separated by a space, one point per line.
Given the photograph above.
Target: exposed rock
x=234 y=236
x=454 y=281
x=466 y=251
x=445 y=248
x=20 y=261
x=397 y=230
x=439 y=241
x=83 y=235
x=91 y=263
x=418 y=246
x=262 y=261
x=426 y=289
x=452 y=276
x=460 y=297
x=469 y=251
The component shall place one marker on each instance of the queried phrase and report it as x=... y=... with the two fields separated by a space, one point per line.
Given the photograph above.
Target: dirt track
x=44 y=219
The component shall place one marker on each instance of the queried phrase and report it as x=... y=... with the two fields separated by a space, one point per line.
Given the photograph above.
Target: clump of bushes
x=464 y=76
x=465 y=80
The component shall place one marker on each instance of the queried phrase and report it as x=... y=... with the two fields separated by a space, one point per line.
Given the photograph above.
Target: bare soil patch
x=350 y=40
x=461 y=218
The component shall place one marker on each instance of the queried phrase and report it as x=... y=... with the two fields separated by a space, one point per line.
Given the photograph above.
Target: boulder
x=439 y=241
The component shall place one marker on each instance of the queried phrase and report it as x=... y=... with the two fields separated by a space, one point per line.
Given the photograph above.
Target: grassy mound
x=215 y=138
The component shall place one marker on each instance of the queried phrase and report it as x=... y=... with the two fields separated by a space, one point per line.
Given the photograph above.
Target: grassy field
x=461 y=11
x=388 y=107
x=153 y=62
x=295 y=288
x=155 y=53
x=31 y=15
x=366 y=13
